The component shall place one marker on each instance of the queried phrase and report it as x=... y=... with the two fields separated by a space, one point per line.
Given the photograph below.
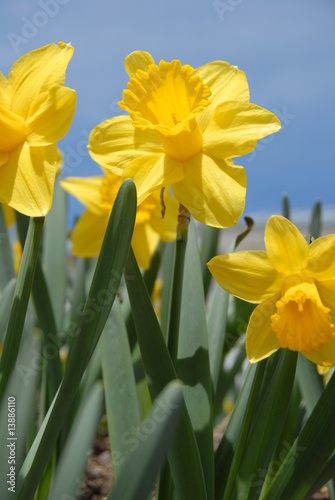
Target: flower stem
x=184 y=218
x=20 y=300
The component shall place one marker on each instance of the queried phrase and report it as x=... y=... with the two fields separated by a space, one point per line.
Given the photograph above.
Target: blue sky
x=286 y=48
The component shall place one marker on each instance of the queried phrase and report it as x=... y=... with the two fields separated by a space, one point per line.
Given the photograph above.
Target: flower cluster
x=183 y=129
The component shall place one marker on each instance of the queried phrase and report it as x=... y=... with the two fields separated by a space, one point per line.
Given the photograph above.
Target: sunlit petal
x=86 y=190
x=285 y=246
x=212 y=190
x=50 y=116
x=235 y=128
x=88 y=234
x=115 y=142
x=36 y=72
x=27 y=179
x=261 y=341
x=321 y=261
x=137 y=60
x=144 y=243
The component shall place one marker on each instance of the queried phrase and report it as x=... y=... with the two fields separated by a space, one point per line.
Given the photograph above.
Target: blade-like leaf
x=184 y=456
x=71 y=465
x=310 y=452
x=316 y=222
x=268 y=427
x=102 y=293
x=54 y=252
x=20 y=302
x=5 y=304
x=150 y=445
x=122 y=409
x=6 y=262
x=18 y=410
x=193 y=361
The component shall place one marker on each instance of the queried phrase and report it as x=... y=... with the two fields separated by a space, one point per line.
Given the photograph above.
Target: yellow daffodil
x=183 y=128
x=36 y=110
x=294 y=285
x=98 y=195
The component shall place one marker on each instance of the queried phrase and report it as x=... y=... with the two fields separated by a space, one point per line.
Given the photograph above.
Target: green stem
x=177 y=284
x=20 y=300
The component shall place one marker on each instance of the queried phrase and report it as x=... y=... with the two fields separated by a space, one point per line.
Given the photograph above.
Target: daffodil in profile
x=36 y=111
x=184 y=127
x=98 y=195
x=294 y=285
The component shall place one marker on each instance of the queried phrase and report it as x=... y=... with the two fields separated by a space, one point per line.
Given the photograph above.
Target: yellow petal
x=302 y=322
x=325 y=357
x=36 y=72
x=226 y=82
x=115 y=142
x=260 y=340
x=326 y=291
x=28 y=178
x=213 y=190
x=144 y=243
x=5 y=92
x=12 y=130
x=285 y=246
x=88 y=234
x=247 y=275
x=87 y=191
x=137 y=60
x=321 y=262
x=236 y=127
x=50 y=116
x=9 y=215
x=153 y=172
x=165 y=96
x=4 y=157
x=166 y=227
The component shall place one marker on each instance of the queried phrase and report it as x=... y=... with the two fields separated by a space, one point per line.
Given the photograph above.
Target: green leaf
x=316 y=223
x=21 y=387
x=225 y=453
x=54 y=252
x=210 y=240
x=218 y=317
x=149 y=446
x=20 y=302
x=6 y=262
x=167 y=285
x=193 y=361
x=244 y=430
x=122 y=408
x=184 y=456
x=45 y=316
x=102 y=293
x=268 y=426
x=6 y=300
x=71 y=466
x=310 y=383
x=286 y=207
x=310 y=452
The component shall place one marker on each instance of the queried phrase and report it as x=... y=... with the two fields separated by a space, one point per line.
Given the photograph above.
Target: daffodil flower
x=294 y=285
x=36 y=110
x=98 y=195
x=184 y=127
